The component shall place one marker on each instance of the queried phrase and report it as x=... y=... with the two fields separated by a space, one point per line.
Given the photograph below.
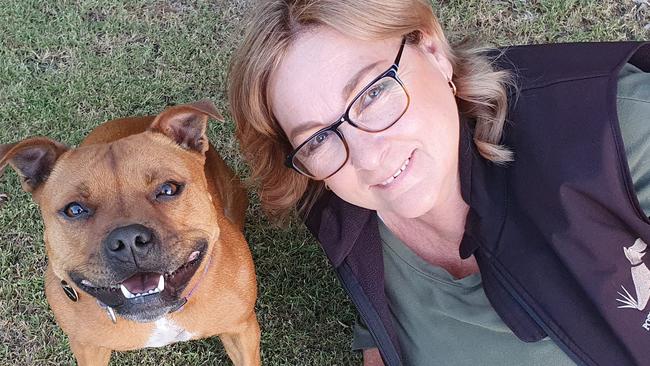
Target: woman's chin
x=409 y=207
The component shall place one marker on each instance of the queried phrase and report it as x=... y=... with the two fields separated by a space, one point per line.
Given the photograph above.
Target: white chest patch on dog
x=167 y=332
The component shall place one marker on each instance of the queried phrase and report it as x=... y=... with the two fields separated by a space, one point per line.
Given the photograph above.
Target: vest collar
x=483 y=187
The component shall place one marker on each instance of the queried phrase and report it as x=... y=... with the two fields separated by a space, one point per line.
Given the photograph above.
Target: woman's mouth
x=397 y=173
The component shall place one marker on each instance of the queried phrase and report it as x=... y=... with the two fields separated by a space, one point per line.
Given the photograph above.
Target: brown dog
x=143 y=234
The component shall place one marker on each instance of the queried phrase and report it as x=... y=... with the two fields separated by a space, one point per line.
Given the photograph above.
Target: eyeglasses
x=375 y=109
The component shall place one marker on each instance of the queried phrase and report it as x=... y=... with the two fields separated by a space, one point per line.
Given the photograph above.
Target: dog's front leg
x=89 y=355
x=243 y=344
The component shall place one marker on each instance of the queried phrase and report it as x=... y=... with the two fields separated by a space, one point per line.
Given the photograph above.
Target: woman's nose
x=366 y=149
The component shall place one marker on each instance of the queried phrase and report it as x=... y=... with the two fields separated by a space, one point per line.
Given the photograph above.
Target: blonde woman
x=475 y=204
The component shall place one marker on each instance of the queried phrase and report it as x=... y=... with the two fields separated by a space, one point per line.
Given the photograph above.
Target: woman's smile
x=394 y=179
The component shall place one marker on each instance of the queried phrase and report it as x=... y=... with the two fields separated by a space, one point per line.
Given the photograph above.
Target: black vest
x=558 y=234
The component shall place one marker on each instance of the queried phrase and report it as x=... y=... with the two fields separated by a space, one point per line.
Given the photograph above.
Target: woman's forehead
x=322 y=53
x=313 y=79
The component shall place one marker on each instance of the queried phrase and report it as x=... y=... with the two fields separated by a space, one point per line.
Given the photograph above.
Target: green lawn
x=67 y=66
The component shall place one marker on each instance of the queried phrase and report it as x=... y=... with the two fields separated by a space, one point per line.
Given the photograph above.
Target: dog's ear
x=33 y=159
x=186 y=124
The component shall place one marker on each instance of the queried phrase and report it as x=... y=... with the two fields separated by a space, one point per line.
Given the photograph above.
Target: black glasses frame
x=345 y=117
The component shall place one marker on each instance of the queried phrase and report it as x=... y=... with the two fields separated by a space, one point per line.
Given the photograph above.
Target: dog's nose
x=127 y=243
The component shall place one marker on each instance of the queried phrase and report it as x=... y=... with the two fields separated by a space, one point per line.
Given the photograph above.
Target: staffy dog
x=143 y=232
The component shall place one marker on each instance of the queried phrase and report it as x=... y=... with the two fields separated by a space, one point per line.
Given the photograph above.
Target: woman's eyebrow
x=347 y=91
x=354 y=82
x=305 y=126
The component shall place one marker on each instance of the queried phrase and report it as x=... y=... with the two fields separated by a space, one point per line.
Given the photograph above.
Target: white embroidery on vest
x=640 y=277
x=646 y=323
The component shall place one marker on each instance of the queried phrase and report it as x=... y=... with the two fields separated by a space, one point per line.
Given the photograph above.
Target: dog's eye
x=74 y=210
x=168 y=189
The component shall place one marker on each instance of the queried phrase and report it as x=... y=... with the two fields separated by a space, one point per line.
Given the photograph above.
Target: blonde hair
x=481 y=90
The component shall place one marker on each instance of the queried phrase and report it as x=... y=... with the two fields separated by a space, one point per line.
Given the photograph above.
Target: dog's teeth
x=87 y=283
x=126 y=292
x=161 y=284
x=193 y=256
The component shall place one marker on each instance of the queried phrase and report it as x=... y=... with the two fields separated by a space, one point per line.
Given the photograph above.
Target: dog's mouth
x=146 y=292
x=143 y=284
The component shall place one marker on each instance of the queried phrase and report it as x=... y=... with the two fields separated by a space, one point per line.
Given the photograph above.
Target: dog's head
x=129 y=222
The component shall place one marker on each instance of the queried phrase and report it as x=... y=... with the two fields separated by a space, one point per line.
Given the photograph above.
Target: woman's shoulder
x=543 y=64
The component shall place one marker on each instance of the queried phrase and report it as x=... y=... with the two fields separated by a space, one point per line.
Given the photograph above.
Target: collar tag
x=111 y=314
x=109 y=311
x=69 y=291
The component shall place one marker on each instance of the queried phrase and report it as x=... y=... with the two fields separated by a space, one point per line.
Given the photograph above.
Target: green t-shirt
x=633 y=103
x=441 y=320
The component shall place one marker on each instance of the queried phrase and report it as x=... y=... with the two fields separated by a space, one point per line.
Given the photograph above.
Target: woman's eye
x=168 y=189
x=320 y=138
x=317 y=141
x=375 y=91
x=315 y=145
x=372 y=94
x=74 y=210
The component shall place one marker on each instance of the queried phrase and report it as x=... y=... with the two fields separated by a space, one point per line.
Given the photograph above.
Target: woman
x=403 y=152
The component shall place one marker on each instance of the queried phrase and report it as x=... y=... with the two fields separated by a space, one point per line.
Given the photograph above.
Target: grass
x=67 y=66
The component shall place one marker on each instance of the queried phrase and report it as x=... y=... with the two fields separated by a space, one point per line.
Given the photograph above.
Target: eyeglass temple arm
x=399 y=54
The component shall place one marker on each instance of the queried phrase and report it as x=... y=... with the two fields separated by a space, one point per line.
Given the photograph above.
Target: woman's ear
x=435 y=50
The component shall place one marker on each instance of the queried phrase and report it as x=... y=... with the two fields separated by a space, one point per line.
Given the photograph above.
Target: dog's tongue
x=141 y=282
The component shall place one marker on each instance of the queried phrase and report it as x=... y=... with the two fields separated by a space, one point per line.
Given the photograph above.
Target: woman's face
x=312 y=87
